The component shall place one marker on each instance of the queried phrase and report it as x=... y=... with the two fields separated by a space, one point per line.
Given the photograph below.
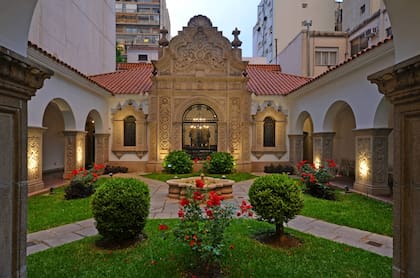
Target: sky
x=224 y=14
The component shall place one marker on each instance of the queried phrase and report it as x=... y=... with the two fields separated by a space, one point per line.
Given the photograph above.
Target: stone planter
x=178 y=187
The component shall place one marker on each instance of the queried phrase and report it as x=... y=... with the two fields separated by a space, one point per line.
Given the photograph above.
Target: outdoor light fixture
x=110 y=174
x=363 y=167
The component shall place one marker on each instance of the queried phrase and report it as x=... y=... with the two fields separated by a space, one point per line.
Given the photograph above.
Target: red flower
x=181 y=213
x=209 y=212
x=198 y=196
x=184 y=202
x=214 y=199
x=208 y=157
x=245 y=207
x=331 y=163
x=192 y=243
x=199 y=183
x=196 y=160
x=163 y=227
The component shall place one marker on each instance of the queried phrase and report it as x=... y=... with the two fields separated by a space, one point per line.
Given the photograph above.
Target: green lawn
x=353 y=210
x=157 y=257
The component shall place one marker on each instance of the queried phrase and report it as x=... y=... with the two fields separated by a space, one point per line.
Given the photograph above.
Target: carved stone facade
x=19 y=79
x=322 y=146
x=140 y=146
x=295 y=148
x=101 y=148
x=74 y=151
x=199 y=67
x=401 y=85
x=372 y=161
x=35 y=181
x=280 y=122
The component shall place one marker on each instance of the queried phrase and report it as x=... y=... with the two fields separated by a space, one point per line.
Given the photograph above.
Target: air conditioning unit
x=371 y=32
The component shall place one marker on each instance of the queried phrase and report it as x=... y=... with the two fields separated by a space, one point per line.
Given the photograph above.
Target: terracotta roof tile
x=130 y=66
x=49 y=55
x=133 y=81
x=264 y=82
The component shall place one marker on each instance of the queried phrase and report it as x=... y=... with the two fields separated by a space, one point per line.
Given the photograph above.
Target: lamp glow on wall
x=317 y=162
x=79 y=155
x=363 y=167
x=33 y=160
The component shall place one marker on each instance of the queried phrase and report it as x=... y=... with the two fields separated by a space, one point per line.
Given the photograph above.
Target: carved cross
x=236 y=42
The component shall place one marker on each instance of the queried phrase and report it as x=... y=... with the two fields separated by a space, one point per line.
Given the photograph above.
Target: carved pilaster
x=235 y=127
x=101 y=148
x=295 y=148
x=74 y=151
x=164 y=126
x=372 y=161
x=19 y=79
x=401 y=85
x=35 y=182
x=322 y=146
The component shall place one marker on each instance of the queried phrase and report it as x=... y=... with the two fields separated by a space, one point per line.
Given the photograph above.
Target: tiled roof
x=132 y=81
x=129 y=66
x=348 y=60
x=264 y=82
x=49 y=55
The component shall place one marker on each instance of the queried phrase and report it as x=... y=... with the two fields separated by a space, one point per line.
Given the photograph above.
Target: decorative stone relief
x=258 y=149
x=118 y=117
x=364 y=159
x=101 y=148
x=296 y=148
x=164 y=126
x=34 y=157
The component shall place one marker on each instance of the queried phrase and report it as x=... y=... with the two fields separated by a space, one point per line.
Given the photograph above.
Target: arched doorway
x=89 y=142
x=199 y=131
x=308 y=129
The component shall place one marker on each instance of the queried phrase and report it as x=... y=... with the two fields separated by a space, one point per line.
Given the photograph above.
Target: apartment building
x=279 y=21
x=138 y=23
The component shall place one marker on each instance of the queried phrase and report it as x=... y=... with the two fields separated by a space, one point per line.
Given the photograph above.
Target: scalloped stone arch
x=66 y=111
x=300 y=121
x=182 y=107
x=330 y=115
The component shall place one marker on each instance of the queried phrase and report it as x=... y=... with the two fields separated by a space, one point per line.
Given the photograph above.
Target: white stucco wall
x=290 y=58
x=80 y=33
x=349 y=84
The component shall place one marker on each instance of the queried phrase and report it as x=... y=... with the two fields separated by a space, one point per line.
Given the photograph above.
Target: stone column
x=322 y=146
x=401 y=85
x=35 y=181
x=101 y=148
x=19 y=79
x=295 y=148
x=372 y=161
x=74 y=151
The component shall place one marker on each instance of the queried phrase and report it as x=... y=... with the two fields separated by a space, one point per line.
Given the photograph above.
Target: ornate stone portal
x=19 y=79
x=199 y=67
x=401 y=85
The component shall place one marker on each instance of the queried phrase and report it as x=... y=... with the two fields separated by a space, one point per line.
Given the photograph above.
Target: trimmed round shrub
x=276 y=199
x=219 y=163
x=120 y=207
x=178 y=162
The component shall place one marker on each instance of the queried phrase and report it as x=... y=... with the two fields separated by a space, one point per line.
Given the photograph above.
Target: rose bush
x=203 y=220
x=82 y=182
x=317 y=179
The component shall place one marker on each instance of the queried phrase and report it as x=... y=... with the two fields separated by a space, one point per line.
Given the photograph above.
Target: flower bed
x=178 y=187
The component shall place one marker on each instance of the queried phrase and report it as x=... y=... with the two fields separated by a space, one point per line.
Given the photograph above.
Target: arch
x=93 y=124
x=303 y=116
x=66 y=111
x=199 y=131
x=182 y=107
x=331 y=115
x=382 y=114
x=94 y=116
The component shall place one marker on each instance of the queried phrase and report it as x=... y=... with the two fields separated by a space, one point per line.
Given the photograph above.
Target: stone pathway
x=163 y=207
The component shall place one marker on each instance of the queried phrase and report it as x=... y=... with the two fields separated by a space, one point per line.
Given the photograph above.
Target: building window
x=304 y=5
x=143 y=57
x=326 y=56
x=130 y=131
x=362 y=9
x=388 y=31
x=358 y=44
x=269 y=132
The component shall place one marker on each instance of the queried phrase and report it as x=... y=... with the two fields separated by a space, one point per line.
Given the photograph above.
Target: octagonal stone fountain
x=178 y=187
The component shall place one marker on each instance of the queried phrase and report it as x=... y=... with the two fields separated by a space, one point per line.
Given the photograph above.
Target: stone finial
x=163 y=41
x=236 y=42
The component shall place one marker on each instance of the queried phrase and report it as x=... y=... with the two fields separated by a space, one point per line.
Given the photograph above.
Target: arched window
x=269 y=132
x=130 y=131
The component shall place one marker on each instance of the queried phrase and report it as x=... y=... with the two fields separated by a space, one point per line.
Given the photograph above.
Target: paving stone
x=40 y=236
x=62 y=239
x=88 y=231
x=384 y=240
x=36 y=248
x=87 y=223
x=67 y=229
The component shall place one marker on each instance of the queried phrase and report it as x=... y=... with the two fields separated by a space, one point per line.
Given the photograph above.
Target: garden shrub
x=219 y=163
x=120 y=207
x=82 y=182
x=178 y=162
x=115 y=169
x=276 y=199
x=317 y=179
